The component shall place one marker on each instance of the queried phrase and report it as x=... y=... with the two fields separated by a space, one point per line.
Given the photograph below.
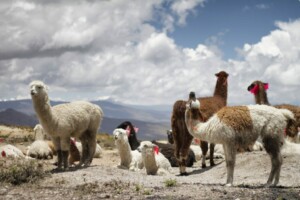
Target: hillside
x=152 y=123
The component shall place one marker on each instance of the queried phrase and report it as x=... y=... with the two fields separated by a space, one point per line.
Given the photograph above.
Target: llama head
x=222 y=77
x=147 y=148
x=38 y=89
x=256 y=86
x=193 y=106
x=120 y=135
x=170 y=136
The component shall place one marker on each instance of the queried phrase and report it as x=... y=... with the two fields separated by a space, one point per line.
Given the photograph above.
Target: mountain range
x=152 y=121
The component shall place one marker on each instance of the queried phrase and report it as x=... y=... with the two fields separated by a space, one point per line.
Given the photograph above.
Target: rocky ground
x=103 y=180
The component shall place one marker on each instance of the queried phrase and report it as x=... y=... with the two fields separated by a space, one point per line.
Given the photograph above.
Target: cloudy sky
x=149 y=52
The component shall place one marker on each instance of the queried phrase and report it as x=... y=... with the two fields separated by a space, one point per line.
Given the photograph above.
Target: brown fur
x=238 y=118
x=262 y=98
x=209 y=105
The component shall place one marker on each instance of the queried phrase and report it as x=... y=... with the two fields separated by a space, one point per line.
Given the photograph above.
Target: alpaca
x=133 y=141
x=78 y=119
x=39 y=133
x=130 y=159
x=238 y=126
x=259 y=89
x=209 y=105
x=168 y=151
x=40 y=149
x=11 y=151
x=154 y=161
x=98 y=151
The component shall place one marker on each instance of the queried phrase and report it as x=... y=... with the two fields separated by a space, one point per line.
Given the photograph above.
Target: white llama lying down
x=239 y=126
x=98 y=151
x=154 y=161
x=11 y=151
x=78 y=119
x=131 y=160
x=40 y=149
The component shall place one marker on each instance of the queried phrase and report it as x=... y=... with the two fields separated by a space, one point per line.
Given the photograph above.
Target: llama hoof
x=212 y=164
x=184 y=174
x=228 y=185
x=56 y=170
x=203 y=165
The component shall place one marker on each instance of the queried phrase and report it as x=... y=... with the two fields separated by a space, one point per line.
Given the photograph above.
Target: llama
x=133 y=141
x=130 y=159
x=239 y=126
x=259 y=89
x=154 y=161
x=168 y=151
x=11 y=151
x=209 y=105
x=78 y=119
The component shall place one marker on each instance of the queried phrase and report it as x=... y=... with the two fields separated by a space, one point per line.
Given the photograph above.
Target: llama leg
x=211 y=154
x=84 y=144
x=65 y=148
x=91 y=147
x=230 y=155
x=184 y=151
x=204 y=149
x=272 y=146
x=56 y=142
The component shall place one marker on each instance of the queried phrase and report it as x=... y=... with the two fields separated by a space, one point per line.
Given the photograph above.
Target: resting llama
x=130 y=159
x=239 y=126
x=154 y=161
x=78 y=119
x=209 y=105
x=259 y=89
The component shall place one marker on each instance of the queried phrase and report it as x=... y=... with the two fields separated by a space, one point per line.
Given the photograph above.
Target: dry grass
x=19 y=170
x=106 y=141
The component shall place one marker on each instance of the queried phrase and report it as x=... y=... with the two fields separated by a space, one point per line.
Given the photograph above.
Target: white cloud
x=110 y=49
x=183 y=7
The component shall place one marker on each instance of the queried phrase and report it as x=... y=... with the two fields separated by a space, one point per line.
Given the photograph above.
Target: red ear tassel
x=266 y=86
x=254 y=90
x=156 y=149
x=3 y=154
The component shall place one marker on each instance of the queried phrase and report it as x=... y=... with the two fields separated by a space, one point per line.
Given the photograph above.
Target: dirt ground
x=103 y=180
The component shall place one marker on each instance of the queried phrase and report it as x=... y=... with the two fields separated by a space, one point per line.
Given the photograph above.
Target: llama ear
x=136 y=129
x=127 y=132
x=217 y=75
x=266 y=86
x=156 y=149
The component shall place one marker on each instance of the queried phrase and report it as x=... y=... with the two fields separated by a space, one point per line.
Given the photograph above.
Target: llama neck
x=125 y=153
x=43 y=110
x=221 y=89
x=150 y=163
x=261 y=96
x=196 y=128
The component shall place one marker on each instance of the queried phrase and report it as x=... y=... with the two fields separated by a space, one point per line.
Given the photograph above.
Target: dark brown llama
x=209 y=106
x=259 y=89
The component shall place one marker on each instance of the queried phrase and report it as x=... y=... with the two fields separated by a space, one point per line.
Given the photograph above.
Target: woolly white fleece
x=131 y=160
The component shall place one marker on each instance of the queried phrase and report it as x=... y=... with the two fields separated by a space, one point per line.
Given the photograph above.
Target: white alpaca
x=131 y=160
x=39 y=133
x=98 y=151
x=238 y=127
x=40 y=149
x=154 y=161
x=11 y=151
x=78 y=119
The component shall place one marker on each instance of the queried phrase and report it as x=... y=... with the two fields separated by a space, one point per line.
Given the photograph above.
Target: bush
x=17 y=171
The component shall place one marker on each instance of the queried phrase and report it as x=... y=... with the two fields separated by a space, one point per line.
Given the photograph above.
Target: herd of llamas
x=220 y=129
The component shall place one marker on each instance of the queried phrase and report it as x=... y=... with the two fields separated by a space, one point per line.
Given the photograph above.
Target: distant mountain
x=13 y=117
x=152 y=123
x=110 y=109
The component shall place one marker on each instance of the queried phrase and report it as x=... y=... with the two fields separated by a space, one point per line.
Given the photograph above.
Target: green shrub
x=170 y=182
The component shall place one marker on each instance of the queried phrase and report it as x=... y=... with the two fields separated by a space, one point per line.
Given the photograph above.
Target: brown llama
x=259 y=89
x=209 y=106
